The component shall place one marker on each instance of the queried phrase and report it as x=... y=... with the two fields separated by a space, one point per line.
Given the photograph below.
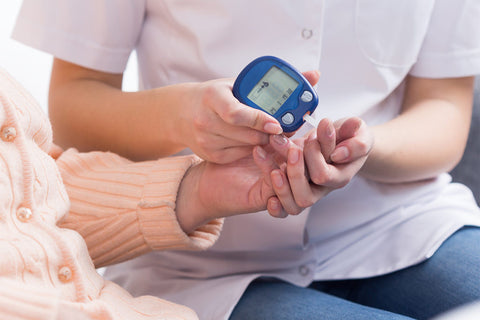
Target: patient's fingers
x=274 y=207
x=326 y=136
x=284 y=193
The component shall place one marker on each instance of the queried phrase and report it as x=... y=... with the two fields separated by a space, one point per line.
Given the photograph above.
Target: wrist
x=189 y=209
x=178 y=98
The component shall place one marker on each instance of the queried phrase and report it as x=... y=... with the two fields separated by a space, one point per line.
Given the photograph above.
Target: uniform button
x=307 y=33
x=304 y=270
x=65 y=274
x=8 y=133
x=24 y=214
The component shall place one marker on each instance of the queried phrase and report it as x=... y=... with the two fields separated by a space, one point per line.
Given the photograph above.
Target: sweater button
x=24 y=214
x=65 y=274
x=8 y=133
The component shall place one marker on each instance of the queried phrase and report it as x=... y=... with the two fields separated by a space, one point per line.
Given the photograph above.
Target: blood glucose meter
x=274 y=86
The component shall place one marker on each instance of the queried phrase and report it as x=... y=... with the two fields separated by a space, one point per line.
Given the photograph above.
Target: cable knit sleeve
x=124 y=209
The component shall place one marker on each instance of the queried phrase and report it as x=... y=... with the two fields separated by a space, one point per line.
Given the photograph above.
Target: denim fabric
x=447 y=280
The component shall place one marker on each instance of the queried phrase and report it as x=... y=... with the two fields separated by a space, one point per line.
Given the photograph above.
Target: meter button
x=288 y=118
x=307 y=96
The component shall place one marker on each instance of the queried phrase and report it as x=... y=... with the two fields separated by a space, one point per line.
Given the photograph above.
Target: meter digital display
x=274 y=86
x=271 y=92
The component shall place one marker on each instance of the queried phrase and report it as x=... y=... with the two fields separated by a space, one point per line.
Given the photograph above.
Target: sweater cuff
x=156 y=211
x=19 y=301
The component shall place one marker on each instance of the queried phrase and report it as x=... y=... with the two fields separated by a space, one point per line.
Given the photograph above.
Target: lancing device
x=275 y=87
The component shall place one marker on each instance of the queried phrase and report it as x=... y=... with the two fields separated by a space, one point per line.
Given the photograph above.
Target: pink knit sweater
x=122 y=209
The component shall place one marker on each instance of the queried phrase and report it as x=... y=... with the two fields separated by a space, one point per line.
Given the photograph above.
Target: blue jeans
x=448 y=279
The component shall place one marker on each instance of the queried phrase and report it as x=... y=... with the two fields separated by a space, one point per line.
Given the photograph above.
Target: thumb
x=312 y=76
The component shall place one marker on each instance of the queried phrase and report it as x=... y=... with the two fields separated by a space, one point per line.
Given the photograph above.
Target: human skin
x=202 y=116
x=283 y=177
x=427 y=137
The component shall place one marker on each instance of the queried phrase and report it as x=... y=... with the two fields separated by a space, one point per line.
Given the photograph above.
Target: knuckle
x=321 y=177
x=342 y=183
x=218 y=157
x=257 y=138
x=305 y=203
x=201 y=122
x=203 y=144
x=208 y=94
x=231 y=114
x=318 y=179
x=363 y=147
x=256 y=120
x=295 y=211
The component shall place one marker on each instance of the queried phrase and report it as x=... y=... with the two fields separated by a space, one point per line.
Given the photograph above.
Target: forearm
x=426 y=139
x=124 y=209
x=92 y=115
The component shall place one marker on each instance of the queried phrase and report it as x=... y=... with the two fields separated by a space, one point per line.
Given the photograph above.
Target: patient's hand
x=325 y=160
x=209 y=191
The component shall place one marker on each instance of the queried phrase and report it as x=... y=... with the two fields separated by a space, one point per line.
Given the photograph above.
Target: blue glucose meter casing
x=274 y=86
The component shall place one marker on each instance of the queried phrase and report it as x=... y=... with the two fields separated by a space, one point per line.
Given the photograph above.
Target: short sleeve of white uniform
x=97 y=34
x=452 y=44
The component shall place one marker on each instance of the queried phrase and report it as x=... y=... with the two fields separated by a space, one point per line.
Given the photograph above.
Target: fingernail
x=340 y=154
x=277 y=179
x=261 y=153
x=273 y=128
x=280 y=139
x=293 y=156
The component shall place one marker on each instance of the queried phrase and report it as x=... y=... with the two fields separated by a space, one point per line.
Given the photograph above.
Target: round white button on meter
x=288 y=118
x=306 y=96
x=277 y=88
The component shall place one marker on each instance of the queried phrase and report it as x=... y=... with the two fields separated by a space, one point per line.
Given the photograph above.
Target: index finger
x=233 y=112
x=239 y=114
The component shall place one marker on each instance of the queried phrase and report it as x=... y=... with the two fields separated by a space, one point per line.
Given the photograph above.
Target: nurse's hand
x=220 y=129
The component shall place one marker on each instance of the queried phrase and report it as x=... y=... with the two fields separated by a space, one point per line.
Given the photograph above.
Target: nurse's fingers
x=220 y=98
x=226 y=155
x=312 y=76
x=238 y=135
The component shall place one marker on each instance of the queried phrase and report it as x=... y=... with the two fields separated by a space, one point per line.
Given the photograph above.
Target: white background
x=32 y=67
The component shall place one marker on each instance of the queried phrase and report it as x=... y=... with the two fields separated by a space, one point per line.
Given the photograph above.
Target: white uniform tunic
x=363 y=48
